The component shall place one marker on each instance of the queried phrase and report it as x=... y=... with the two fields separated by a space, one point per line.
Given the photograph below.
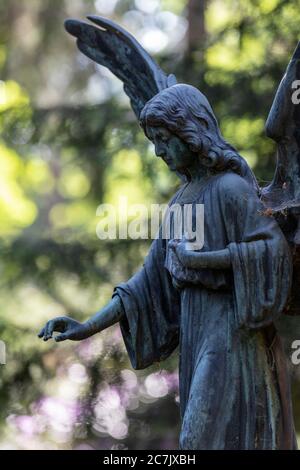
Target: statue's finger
x=61 y=337
x=181 y=247
x=173 y=244
x=41 y=333
x=49 y=330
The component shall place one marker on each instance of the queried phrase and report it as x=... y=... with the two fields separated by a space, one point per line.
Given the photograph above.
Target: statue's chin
x=173 y=167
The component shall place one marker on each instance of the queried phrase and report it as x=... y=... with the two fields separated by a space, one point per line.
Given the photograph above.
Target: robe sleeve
x=152 y=306
x=260 y=255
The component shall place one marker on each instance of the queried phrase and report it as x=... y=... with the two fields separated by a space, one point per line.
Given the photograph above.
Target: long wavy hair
x=186 y=112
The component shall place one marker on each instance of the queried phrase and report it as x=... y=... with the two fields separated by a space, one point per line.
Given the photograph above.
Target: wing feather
x=282 y=196
x=110 y=45
x=283 y=126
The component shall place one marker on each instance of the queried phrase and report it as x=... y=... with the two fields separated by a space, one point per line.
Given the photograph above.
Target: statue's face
x=175 y=153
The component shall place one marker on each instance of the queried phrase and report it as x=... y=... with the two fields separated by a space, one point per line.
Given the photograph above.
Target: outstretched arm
x=76 y=331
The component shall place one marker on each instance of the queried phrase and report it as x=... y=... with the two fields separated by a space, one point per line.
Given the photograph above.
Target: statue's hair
x=186 y=112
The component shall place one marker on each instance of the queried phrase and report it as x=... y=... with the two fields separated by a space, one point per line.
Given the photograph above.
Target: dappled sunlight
x=69 y=143
x=241 y=133
x=16 y=209
x=124 y=182
x=11 y=95
x=234 y=54
x=38 y=177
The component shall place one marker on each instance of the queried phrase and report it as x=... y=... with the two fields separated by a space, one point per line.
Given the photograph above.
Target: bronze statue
x=219 y=304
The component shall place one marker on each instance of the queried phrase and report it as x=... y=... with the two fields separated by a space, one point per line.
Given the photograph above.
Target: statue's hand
x=219 y=259
x=185 y=256
x=68 y=328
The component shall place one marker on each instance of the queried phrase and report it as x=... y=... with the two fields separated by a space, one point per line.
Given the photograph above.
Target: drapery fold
x=234 y=384
x=150 y=327
x=261 y=272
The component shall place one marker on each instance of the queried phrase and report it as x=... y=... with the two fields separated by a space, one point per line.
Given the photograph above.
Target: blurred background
x=69 y=142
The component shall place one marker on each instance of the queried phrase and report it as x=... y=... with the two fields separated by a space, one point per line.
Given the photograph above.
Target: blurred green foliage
x=69 y=142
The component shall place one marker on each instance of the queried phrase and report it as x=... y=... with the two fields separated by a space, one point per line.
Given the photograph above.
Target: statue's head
x=181 y=123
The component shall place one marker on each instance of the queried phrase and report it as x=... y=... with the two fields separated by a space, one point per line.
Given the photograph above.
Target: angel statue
x=220 y=304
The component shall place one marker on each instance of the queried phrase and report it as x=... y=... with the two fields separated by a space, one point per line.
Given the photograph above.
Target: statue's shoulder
x=231 y=183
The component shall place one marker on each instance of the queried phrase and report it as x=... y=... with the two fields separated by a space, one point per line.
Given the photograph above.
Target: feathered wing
x=282 y=196
x=283 y=126
x=112 y=46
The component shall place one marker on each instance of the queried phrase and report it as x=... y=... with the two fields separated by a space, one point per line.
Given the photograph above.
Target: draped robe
x=234 y=385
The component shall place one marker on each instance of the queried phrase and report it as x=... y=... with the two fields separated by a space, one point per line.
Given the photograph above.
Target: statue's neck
x=196 y=173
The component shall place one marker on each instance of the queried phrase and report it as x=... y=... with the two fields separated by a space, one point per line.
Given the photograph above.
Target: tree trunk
x=196 y=38
x=196 y=30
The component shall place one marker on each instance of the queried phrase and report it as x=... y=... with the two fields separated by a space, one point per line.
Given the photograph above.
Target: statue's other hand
x=219 y=259
x=68 y=328
x=184 y=254
x=180 y=251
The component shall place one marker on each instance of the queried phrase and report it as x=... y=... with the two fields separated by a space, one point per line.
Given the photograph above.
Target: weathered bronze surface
x=218 y=304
